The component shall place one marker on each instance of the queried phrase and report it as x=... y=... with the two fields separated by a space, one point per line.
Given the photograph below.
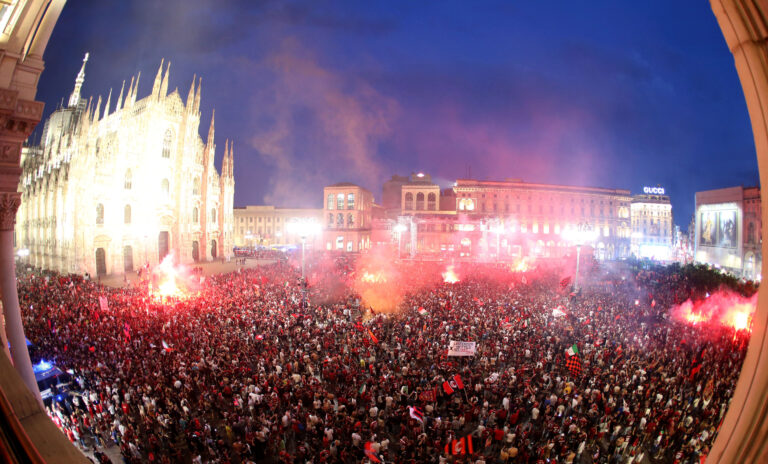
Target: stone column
x=17 y=120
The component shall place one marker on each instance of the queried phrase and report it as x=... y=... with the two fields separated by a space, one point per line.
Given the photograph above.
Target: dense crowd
x=258 y=368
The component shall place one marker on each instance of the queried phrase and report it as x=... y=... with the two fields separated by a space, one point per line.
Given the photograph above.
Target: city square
x=416 y=243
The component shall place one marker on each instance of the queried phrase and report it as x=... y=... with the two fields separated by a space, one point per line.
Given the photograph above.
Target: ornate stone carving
x=10 y=152
x=9 y=204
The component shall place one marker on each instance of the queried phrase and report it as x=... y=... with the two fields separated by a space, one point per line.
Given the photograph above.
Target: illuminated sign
x=654 y=190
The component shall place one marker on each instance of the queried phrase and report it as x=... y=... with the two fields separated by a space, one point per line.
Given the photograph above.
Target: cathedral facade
x=109 y=188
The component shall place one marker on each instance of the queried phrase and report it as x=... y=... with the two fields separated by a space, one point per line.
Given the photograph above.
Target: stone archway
x=743 y=436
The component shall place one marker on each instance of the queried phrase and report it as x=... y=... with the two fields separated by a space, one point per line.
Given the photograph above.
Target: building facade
x=111 y=187
x=652 y=225
x=264 y=225
x=728 y=230
x=348 y=218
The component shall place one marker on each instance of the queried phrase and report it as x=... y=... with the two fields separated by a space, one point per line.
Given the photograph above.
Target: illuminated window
x=535 y=228
x=340 y=201
x=409 y=201
x=606 y=231
x=350 y=201
x=213 y=215
x=330 y=220
x=340 y=242
x=350 y=220
x=127 y=214
x=523 y=228
x=330 y=201
x=349 y=246
x=195 y=215
x=196 y=186
x=167 y=141
x=557 y=228
x=432 y=202
x=128 y=180
x=99 y=214
x=340 y=220
x=546 y=228
x=420 y=201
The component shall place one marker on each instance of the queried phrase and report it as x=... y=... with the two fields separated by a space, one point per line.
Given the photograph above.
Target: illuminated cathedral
x=109 y=188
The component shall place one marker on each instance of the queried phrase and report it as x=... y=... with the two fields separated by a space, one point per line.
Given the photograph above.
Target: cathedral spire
x=191 y=94
x=96 y=111
x=232 y=159
x=74 y=99
x=119 y=103
x=135 y=89
x=225 y=162
x=197 y=95
x=127 y=101
x=166 y=77
x=158 y=79
x=109 y=100
x=211 y=130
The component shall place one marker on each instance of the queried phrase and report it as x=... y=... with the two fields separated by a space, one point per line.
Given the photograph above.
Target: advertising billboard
x=719 y=226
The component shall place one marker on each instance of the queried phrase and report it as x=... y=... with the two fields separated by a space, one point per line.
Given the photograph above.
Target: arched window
x=100 y=214
x=128 y=180
x=432 y=202
x=350 y=220
x=213 y=215
x=330 y=201
x=419 y=201
x=165 y=188
x=408 y=201
x=195 y=215
x=167 y=141
x=196 y=186
x=340 y=220
x=127 y=214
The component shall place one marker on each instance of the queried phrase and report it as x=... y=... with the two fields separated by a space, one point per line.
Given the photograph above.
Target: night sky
x=599 y=93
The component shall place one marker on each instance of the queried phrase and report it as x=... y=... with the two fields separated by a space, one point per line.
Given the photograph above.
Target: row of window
x=338 y=201
x=339 y=220
x=127 y=214
x=267 y=219
x=165 y=185
x=431 y=204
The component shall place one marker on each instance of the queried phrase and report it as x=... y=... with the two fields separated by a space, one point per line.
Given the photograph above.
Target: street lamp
x=580 y=235
x=400 y=228
x=303 y=227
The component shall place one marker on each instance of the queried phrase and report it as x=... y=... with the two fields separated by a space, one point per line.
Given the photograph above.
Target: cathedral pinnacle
x=158 y=79
x=166 y=77
x=119 y=103
x=197 y=95
x=74 y=99
x=211 y=130
x=191 y=94
x=109 y=100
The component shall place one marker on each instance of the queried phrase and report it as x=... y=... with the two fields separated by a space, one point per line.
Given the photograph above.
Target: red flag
x=564 y=283
x=459 y=383
x=373 y=337
x=453 y=384
x=370 y=453
x=428 y=396
x=461 y=446
x=447 y=387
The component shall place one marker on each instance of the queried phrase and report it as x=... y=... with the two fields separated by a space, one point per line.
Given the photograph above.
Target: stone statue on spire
x=74 y=99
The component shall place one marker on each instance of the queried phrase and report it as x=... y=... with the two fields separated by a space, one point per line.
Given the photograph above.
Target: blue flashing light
x=42 y=366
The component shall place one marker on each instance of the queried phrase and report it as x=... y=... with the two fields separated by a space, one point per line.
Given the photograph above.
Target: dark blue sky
x=598 y=93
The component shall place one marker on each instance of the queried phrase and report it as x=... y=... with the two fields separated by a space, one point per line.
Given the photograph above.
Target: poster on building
x=461 y=348
x=719 y=226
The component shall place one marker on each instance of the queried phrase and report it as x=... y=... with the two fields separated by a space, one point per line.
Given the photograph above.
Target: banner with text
x=461 y=348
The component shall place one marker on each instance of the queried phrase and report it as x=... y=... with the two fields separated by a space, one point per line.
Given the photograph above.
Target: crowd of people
x=257 y=367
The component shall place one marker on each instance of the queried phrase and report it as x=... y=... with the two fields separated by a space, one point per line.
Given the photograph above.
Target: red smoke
x=723 y=308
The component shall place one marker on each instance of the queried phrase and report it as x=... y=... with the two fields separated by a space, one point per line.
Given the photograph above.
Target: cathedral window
x=165 y=187
x=167 y=141
x=127 y=214
x=213 y=215
x=195 y=215
x=100 y=214
x=196 y=186
x=128 y=180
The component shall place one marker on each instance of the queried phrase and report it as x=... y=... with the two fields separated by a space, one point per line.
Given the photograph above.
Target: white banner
x=461 y=348
x=103 y=304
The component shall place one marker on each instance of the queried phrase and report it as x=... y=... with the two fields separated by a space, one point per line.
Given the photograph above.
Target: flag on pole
x=422 y=311
x=565 y=282
x=416 y=413
x=574 y=365
x=370 y=453
x=453 y=384
x=166 y=347
x=462 y=445
x=373 y=337
x=697 y=364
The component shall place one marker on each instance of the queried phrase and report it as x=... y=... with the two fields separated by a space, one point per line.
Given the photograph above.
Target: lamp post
x=581 y=234
x=400 y=228
x=303 y=227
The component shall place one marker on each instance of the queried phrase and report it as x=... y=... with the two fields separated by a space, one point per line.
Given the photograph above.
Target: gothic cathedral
x=109 y=189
